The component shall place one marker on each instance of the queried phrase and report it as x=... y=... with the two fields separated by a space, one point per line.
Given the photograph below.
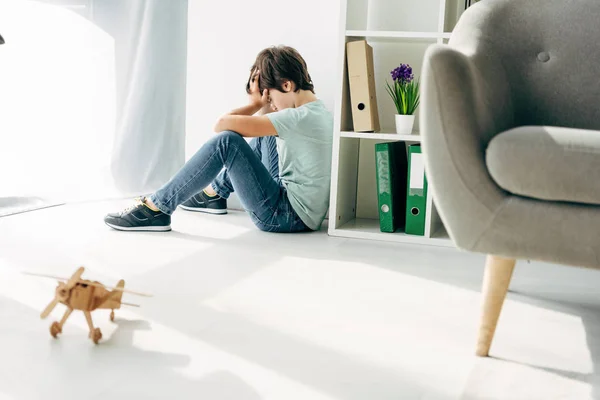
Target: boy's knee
x=226 y=135
x=226 y=140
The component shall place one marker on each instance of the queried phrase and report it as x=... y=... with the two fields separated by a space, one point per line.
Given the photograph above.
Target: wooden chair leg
x=498 y=272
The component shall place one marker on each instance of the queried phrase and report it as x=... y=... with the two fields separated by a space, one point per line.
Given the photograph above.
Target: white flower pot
x=404 y=124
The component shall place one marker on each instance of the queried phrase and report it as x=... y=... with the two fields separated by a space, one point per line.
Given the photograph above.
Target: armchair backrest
x=549 y=51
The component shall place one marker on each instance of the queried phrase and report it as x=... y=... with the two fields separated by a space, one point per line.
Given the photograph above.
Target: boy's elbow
x=219 y=125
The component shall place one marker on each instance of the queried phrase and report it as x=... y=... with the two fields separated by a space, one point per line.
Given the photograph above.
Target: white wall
x=224 y=38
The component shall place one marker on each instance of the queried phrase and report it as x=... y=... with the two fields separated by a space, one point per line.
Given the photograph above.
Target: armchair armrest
x=465 y=103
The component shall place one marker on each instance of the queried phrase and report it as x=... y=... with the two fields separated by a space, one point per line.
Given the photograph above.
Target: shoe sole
x=141 y=228
x=204 y=210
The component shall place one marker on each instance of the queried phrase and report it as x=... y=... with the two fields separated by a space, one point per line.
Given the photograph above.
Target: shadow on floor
x=402 y=259
x=39 y=365
x=18 y=205
x=338 y=374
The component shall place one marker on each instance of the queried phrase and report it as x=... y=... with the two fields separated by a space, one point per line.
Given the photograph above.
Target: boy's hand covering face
x=255 y=96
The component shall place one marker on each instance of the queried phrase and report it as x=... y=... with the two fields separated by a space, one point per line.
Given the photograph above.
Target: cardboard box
x=361 y=78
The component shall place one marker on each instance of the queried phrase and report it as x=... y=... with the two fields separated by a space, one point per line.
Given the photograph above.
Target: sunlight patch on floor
x=320 y=301
x=407 y=322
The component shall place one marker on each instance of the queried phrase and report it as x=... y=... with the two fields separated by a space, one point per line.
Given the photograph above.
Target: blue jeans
x=265 y=149
x=250 y=170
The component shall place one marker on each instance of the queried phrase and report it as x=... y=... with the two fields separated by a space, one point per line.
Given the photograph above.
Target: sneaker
x=202 y=202
x=139 y=217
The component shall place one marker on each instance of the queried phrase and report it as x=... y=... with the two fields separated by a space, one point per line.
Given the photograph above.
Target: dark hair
x=278 y=64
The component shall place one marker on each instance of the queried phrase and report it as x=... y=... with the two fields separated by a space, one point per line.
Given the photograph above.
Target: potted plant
x=405 y=94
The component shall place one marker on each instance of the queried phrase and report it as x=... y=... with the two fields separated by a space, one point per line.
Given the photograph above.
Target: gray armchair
x=510 y=118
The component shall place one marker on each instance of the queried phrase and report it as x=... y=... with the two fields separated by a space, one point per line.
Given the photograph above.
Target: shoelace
x=138 y=202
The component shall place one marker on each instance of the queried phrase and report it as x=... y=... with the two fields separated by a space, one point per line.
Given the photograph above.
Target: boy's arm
x=243 y=121
x=267 y=109
x=246 y=125
x=251 y=110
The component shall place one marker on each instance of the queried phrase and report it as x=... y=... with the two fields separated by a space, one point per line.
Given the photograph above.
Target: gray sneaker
x=202 y=202
x=138 y=217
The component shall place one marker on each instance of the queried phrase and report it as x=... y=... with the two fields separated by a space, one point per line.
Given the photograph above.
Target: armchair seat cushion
x=547 y=163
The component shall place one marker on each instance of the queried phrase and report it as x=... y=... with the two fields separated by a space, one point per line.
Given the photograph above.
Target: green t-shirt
x=305 y=135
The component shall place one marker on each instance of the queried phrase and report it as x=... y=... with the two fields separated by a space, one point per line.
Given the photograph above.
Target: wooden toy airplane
x=86 y=296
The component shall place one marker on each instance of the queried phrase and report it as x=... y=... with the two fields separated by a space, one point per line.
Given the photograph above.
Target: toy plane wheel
x=55 y=329
x=96 y=335
x=112 y=315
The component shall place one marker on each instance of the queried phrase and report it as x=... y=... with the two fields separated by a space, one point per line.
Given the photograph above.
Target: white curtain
x=92 y=97
x=150 y=47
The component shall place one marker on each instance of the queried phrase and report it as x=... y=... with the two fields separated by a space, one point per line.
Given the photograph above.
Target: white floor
x=243 y=315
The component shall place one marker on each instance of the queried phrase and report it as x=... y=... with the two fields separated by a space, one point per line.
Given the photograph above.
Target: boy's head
x=283 y=73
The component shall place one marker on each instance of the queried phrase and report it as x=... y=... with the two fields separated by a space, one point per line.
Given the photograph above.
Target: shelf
x=415 y=137
x=398 y=34
x=362 y=228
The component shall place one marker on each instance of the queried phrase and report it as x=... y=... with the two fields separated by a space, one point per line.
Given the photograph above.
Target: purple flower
x=403 y=74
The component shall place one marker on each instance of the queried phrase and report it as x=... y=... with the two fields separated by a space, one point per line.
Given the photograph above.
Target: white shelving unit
x=83 y=7
x=414 y=137
x=399 y=32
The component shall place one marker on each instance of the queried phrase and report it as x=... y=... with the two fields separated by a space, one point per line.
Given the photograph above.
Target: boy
x=288 y=195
